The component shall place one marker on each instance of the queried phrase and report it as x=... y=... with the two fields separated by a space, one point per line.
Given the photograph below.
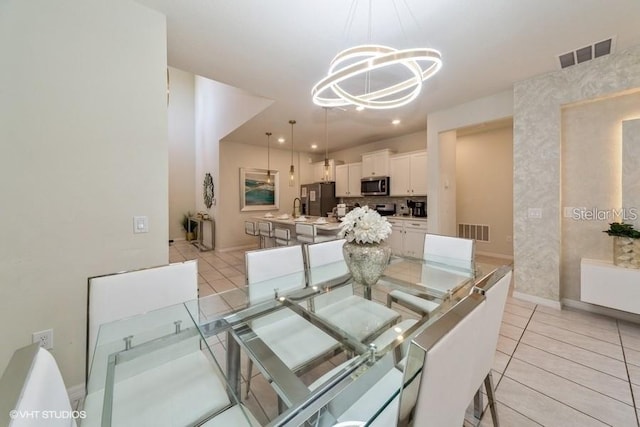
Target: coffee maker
x=420 y=209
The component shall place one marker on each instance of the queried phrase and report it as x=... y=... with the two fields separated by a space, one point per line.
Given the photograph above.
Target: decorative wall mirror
x=208 y=190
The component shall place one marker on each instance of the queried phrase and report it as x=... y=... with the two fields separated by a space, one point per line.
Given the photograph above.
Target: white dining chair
x=448 y=251
x=297 y=343
x=308 y=233
x=147 y=395
x=32 y=384
x=360 y=317
x=446 y=366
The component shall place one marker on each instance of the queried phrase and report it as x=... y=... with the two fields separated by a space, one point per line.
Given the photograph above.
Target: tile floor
x=552 y=368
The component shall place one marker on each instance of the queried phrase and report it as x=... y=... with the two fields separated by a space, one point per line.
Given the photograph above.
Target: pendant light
x=268 y=158
x=326 y=146
x=291 y=168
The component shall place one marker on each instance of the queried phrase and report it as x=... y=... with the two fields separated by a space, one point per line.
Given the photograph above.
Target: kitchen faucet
x=296 y=212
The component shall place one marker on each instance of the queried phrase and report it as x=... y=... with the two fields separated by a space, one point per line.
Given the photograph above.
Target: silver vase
x=366 y=262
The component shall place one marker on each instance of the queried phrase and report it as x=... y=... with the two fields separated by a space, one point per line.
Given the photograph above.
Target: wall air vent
x=478 y=232
x=587 y=53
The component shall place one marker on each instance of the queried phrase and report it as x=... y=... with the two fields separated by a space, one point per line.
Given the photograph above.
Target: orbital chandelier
x=336 y=89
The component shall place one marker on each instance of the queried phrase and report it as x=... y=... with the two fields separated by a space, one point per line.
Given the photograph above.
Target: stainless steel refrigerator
x=319 y=198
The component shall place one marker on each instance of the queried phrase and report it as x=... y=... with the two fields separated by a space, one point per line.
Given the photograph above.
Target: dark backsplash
x=372 y=201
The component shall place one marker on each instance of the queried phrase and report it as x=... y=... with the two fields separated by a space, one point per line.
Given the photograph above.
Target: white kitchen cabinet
x=348 y=180
x=376 y=163
x=407 y=236
x=408 y=174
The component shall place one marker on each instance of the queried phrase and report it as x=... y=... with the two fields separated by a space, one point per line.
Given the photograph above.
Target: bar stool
x=251 y=229
x=265 y=229
x=308 y=233
x=283 y=236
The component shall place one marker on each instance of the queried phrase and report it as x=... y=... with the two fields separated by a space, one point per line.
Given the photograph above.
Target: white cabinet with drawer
x=407 y=236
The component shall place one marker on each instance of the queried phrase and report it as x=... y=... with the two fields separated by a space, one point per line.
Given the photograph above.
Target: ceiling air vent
x=586 y=53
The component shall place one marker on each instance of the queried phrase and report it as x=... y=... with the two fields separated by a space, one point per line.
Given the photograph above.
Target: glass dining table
x=128 y=348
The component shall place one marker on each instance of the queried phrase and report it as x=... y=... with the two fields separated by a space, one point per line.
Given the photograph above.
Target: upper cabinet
x=376 y=163
x=348 y=180
x=317 y=171
x=408 y=174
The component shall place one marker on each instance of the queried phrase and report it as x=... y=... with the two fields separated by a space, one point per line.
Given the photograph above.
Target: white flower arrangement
x=364 y=225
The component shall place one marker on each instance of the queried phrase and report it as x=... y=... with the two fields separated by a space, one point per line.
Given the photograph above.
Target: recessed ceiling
x=278 y=49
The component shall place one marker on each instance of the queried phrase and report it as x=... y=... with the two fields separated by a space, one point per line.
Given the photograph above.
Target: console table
x=199 y=242
x=603 y=283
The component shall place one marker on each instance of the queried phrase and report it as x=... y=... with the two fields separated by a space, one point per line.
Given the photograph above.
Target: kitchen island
x=324 y=227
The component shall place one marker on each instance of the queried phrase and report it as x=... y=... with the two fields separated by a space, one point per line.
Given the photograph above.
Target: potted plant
x=190 y=227
x=626 y=244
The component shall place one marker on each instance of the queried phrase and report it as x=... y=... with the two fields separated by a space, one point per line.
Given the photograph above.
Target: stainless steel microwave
x=375 y=186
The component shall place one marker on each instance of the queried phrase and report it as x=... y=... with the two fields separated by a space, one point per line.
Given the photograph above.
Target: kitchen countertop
x=328 y=226
x=408 y=218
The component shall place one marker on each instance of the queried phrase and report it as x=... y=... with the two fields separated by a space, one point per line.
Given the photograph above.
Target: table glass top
x=344 y=316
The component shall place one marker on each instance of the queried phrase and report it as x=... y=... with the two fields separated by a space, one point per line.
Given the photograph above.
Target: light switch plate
x=140 y=224
x=535 y=213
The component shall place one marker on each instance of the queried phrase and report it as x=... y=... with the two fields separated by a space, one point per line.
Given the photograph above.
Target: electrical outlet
x=45 y=338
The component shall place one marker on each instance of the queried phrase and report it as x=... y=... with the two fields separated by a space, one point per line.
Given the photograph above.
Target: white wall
x=83 y=128
x=487 y=109
x=235 y=156
x=446 y=195
x=182 y=160
x=219 y=110
x=484 y=186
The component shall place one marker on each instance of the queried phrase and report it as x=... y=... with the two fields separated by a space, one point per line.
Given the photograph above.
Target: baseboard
x=495 y=255
x=598 y=309
x=76 y=393
x=238 y=248
x=537 y=300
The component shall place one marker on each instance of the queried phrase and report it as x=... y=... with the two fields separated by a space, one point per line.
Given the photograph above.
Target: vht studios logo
x=596 y=214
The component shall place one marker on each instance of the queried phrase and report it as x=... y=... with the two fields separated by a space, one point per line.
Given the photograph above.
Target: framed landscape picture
x=256 y=194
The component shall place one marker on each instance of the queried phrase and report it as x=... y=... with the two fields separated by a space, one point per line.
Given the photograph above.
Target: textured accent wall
x=537 y=150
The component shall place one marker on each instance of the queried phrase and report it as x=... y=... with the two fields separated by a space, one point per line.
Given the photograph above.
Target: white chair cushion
x=357 y=316
x=43 y=390
x=413 y=302
x=175 y=393
x=293 y=339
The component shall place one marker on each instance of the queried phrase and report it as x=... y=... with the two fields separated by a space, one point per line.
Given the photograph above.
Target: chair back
x=250 y=228
x=31 y=384
x=121 y=295
x=283 y=236
x=265 y=229
x=280 y=268
x=450 y=250
x=448 y=362
x=328 y=255
x=495 y=289
x=306 y=232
